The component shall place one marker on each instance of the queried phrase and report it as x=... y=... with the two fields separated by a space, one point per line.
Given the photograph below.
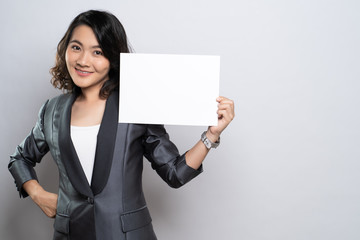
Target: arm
x=177 y=169
x=28 y=154
x=196 y=155
x=165 y=158
x=22 y=164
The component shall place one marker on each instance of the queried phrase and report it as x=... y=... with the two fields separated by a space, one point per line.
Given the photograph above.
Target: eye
x=75 y=47
x=97 y=52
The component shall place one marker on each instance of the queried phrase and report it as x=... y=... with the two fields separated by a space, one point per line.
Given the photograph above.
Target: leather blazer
x=113 y=205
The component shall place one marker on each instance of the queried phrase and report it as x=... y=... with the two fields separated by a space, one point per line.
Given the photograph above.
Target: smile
x=82 y=73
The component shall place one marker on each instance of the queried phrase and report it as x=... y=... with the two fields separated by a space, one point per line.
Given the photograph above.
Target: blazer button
x=90 y=200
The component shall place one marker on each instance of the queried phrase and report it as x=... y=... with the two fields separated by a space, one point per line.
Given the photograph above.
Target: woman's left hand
x=225 y=115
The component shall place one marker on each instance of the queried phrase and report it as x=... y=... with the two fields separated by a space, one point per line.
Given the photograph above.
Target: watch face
x=207 y=143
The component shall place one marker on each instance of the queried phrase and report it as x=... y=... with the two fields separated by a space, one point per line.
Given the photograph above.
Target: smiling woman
x=100 y=161
x=110 y=39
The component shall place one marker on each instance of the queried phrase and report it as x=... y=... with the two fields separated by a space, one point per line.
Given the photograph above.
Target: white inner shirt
x=84 y=140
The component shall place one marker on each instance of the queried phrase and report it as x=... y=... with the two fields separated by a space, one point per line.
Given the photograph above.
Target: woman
x=100 y=160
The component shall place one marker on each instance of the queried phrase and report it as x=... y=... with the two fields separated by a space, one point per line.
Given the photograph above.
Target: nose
x=83 y=59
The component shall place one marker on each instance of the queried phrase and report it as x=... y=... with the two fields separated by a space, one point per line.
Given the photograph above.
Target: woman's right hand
x=47 y=201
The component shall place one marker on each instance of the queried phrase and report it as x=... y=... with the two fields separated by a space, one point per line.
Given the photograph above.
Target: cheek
x=67 y=58
x=103 y=66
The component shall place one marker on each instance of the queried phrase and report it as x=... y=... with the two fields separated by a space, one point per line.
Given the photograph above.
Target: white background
x=288 y=166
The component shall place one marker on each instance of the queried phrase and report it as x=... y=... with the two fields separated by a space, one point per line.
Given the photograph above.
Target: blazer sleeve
x=28 y=153
x=165 y=158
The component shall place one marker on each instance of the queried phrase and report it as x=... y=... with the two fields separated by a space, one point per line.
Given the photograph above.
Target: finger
x=228 y=109
x=225 y=114
x=228 y=102
x=224 y=106
x=222 y=98
x=48 y=212
x=221 y=114
x=53 y=215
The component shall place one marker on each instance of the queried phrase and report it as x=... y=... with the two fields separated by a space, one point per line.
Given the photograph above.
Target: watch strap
x=208 y=143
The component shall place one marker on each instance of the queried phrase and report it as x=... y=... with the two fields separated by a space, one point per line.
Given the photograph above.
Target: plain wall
x=288 y=165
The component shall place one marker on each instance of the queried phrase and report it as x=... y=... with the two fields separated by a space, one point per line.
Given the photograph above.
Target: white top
x=84 y=140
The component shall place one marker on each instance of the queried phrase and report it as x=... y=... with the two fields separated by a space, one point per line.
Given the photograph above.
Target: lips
x=82 y=72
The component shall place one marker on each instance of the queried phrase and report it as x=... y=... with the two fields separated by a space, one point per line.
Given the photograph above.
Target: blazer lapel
x=67 y=150
x=105 y=144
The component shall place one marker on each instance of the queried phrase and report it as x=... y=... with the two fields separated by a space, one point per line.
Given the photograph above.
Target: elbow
x=171 y=177
x=175 y=184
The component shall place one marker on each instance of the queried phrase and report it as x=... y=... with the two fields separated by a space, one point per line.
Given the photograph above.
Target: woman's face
x=85 y=61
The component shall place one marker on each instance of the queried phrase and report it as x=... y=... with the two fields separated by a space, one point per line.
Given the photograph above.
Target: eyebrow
x=78 y=42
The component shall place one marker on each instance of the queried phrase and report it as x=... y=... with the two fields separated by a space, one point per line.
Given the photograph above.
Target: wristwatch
x=209 y=144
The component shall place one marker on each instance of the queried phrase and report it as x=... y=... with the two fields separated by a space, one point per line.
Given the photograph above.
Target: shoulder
x=55 y=103
x=60 y=99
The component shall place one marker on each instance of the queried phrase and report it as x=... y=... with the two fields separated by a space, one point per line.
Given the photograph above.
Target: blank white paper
x=169 y=89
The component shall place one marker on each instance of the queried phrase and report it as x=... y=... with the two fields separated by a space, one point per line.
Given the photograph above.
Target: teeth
x=82 y=71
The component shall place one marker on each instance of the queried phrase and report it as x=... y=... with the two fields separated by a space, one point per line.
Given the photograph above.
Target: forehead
x=85 y=35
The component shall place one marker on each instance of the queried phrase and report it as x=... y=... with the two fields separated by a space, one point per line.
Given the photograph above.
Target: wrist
x=212 y=142
x=212 y=137
x=33 y=188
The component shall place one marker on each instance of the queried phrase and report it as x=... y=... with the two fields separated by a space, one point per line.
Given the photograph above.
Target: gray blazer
x=113 y=206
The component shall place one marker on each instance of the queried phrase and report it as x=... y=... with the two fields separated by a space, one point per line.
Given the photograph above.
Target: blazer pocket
x=61 y=223
x=135 y=219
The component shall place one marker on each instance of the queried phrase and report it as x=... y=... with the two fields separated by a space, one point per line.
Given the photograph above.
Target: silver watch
x=209 y=144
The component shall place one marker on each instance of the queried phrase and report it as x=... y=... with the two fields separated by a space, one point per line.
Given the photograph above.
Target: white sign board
x=169 y=89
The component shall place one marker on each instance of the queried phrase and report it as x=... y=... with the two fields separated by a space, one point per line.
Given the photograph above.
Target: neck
x=89 y=95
